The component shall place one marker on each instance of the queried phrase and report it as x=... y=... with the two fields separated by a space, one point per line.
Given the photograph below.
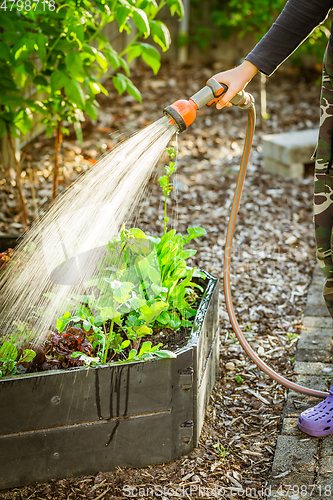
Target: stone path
x=303 y=465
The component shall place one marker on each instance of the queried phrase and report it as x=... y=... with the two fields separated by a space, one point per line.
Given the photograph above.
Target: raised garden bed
x=79 y=421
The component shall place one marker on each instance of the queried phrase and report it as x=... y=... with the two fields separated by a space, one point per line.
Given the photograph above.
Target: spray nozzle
x=183 y=112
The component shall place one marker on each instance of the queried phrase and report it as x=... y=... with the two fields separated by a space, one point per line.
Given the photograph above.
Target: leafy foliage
x=63 y=54
x=10 y=358
x=142 y=283
x=215 y=19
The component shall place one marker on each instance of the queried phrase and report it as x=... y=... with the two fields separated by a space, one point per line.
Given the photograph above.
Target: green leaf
x=75 y=93
x=145 y=348
x=8 y=352
x=91 y=110
x=41 y=47
x=134 y=50
x=40 y=80
x=151 y=56
x=121 y=291
x=194 y=232
x=160 y=34
x=98 y=88
x=163 y=318
x=119 y=83
x=141 y=21
x=73 y=63
x=23 y=120
x=101 y=59
x=5 y=54
x=122 y=14
x=58 y=80
x=11 y=100
x=132 y=354
x=27 y=356
x=176 y=7
x=142 y=330
x=133 y=90
x=112 y=57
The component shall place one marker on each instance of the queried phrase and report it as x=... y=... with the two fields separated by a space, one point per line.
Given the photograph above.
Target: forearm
x=295 y=23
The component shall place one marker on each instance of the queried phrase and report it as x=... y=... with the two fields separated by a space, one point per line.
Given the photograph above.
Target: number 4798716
x=27 y=5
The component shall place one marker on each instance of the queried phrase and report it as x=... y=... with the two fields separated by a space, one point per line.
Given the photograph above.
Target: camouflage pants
x=323 y=181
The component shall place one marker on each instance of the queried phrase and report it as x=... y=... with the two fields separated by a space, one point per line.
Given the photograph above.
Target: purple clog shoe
x=318 y=420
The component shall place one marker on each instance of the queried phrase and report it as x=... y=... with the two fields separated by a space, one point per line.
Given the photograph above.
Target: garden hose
x=183 y=113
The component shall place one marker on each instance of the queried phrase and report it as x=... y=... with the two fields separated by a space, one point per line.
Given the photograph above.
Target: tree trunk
x=18 y=180
x=58 y=141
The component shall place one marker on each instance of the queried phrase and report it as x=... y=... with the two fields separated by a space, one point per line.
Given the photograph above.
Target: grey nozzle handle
x=212 y=91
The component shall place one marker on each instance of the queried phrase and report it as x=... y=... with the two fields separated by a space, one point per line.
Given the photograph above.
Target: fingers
x=224 y=101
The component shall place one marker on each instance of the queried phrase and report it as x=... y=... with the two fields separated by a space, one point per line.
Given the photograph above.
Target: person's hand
x=236 y=79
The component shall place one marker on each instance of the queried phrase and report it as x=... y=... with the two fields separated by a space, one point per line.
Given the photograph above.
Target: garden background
x=78 y=78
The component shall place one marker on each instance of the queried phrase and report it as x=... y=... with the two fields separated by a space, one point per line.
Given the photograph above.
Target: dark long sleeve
x=295 y=23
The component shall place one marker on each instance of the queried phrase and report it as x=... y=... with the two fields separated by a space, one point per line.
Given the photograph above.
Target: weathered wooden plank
x=84 y=449
x=50 y=399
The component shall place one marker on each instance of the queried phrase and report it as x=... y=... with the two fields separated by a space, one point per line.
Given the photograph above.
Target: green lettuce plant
x=142 y=284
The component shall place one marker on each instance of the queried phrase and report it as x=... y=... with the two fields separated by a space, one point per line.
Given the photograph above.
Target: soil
x=271 y=269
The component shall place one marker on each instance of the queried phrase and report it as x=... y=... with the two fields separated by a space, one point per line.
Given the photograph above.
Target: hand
x=236 y=79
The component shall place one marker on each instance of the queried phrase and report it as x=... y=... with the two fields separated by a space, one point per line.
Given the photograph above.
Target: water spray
x=182 y=113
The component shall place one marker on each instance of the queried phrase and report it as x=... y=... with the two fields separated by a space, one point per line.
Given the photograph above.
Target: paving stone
x=296 y=456
x=315 y=338
x=308 y=494
x=290 y=428
x=307 y=460
x=313 y=382
x=327 y=447
x=325 y=474
x=296 y=403
x=319 y=311
x=304 y=368
x=314 y=322
x=315 y=296
x=318 y=355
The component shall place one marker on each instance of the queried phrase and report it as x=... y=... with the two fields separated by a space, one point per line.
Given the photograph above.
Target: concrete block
x=327 y=447
x=313 y=382
x=302 y=368
x=325 y=475
x=315 y=338
x=294 y=455
x=319 y=311
x=313 y=355
x=314 y=322
x=287 y=153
